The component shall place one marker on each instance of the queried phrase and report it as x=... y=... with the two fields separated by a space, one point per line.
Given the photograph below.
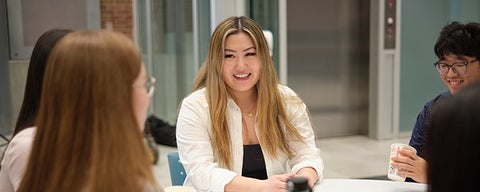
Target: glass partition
x=170 y=41
x=266 y=13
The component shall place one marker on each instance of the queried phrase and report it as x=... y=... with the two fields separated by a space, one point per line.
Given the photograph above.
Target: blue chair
x=177 y=172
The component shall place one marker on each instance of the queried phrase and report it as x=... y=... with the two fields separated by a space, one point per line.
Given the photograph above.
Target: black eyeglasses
x=458 y=68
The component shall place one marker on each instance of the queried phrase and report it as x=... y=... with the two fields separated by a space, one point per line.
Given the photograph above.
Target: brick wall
x=117 y=15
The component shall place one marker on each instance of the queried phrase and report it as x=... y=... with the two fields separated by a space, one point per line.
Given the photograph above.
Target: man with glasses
x=458 y=51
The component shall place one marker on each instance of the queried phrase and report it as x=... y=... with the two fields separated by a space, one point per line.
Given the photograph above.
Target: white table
x=367 y=185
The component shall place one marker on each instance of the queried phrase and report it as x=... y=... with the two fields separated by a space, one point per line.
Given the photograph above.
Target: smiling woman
x=241 y=67
x=240 y=130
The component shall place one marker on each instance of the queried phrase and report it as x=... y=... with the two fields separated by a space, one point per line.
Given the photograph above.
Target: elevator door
x=328 y=50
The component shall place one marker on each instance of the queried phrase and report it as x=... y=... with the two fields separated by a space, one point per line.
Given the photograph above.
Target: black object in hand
x=298 y=184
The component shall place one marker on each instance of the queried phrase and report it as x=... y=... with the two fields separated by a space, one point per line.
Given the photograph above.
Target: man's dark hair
x=459 y=39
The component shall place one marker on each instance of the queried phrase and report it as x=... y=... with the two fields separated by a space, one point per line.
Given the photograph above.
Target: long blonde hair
x=271 y=111
x=88 y=138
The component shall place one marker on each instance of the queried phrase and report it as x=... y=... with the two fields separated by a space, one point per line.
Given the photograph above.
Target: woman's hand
x=409 y=164
x=310 y=174
x=276 y=183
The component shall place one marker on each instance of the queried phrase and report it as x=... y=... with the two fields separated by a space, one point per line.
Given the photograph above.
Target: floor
x=344 y=157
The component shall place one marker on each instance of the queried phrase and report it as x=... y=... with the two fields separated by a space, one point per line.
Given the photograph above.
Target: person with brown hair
x=452 y=147
x=91 y=116
x=240 y=130
x=16 y=155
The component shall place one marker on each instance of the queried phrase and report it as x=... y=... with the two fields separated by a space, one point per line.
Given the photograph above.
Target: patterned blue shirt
x=418 y=135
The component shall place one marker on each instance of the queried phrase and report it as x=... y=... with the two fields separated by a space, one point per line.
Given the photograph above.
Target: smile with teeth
x=241 y=75
x=455 y=82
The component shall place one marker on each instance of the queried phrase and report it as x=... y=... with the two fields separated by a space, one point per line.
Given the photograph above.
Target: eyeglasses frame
x=150 y=85
x=451 y=66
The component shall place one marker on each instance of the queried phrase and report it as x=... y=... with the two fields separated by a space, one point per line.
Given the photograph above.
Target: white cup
x=394 y=152
x=179 y=189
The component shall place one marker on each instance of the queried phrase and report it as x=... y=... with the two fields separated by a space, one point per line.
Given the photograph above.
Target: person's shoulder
x=196 y=96
x=285 y=90
x=28 y=132
x=25 y=135
x=288 y=95
x=444 y=95
x=21 y=142
x=440 y=96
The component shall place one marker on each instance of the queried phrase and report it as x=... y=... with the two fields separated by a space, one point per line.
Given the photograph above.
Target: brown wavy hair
x=88 y=138
x=271 y=112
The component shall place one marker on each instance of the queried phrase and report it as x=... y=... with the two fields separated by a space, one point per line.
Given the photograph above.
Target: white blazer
x=195 y=147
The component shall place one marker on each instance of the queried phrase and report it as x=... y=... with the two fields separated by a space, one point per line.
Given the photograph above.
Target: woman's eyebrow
x=242 y=51
x=248 y=49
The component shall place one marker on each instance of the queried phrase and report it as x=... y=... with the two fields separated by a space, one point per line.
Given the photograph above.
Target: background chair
x=177 y=172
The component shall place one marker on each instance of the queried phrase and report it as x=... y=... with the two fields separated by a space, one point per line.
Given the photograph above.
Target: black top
x=253 y=162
